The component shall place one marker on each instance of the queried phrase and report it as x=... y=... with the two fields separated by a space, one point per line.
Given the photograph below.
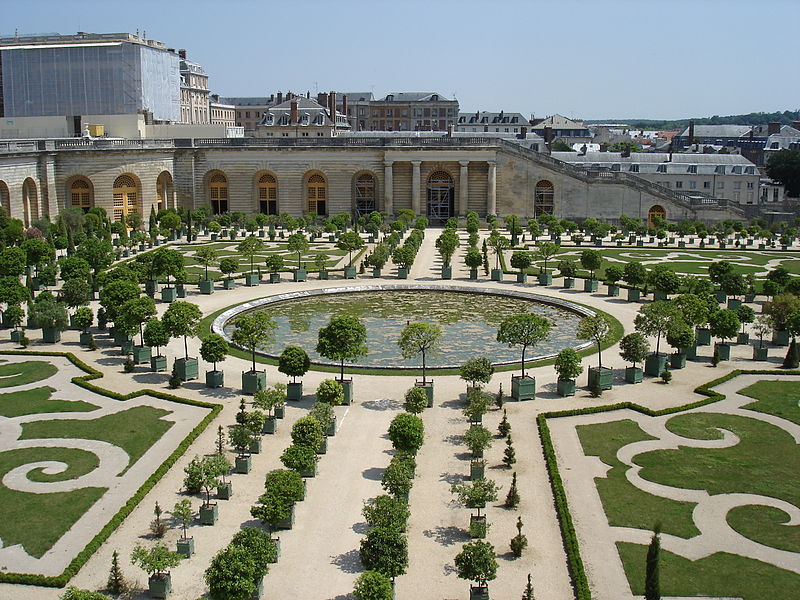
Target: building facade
x=194 y=92
x=301 y=117
x=412 y=111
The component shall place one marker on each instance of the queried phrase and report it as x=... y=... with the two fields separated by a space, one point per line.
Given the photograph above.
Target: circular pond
x=469 y=319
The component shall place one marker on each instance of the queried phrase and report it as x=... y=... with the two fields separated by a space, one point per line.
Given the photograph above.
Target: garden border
x=580 y=583
x=83 y=381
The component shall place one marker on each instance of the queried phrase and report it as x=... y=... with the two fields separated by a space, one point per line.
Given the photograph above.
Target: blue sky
x=580 y=58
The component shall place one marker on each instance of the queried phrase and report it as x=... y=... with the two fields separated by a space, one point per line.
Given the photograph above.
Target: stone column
x=388 y=190
x=491 y=196
x=415 y=181
x=463 y=189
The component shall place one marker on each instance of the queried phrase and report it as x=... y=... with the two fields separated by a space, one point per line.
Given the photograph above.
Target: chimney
x=332 y=97
x=308 y=94
x=344 y=104
x=773 y=127
x=293 y=113
x=670 y=152
x=182 y=53
x=603 y=147
x=691 y=132
x=523 y=132
x=548 y=135
x=280 y=97
x=322 y=98
x=796 y=125
x=583 y=150
x=271 y=98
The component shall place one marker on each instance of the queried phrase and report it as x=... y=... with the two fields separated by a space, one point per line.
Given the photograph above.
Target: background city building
x=412 y=111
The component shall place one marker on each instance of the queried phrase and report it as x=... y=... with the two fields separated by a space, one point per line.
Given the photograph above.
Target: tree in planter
x=156 y=561
x=407 y=433
x=321 y=261
x=269 y=399
x=253 y=332
x=294 y=362
x=634 y=274
x=206 y=256
x=680 y=336
x=349 y=242
x=308 y=432
x=203 y=474
x=568 y=364
x=233 y=573
x=372 y=585
x=214 y=349
x=525 y=329
x=591 y=261
x=258 y=544
x=397 y=478
x=181 y=320
x=693 y=308
x=343 y=338
x=762 y=326
x=419 y=338
x=477 y=371
x=403 y=257
x=473 y=258
x=155 y=335
x=387 y=512
x=416 y=400
x=323 y=413
x=330 y=392
x=634 y=348
x=168 y=262
x=746 y=316
x=182 y=511
x=385 y=551
x=567 y=268
x=613 y=274
x=49 y=314
x=724 y=324
x=447 y=244
x=664 y=280
x=134 y=313
x=75 y=292
x=597 y=329
x=299 y=458
x=297 y=242
x=498 y=243
x=249 y=248
x=779 y=309
x=522 y=260
x=475 y=494
x=84 y=317
x=654 y=319
x=228 y=265
x=476 y=562
x=520 y=541
x=545 y=251
x=477 y=438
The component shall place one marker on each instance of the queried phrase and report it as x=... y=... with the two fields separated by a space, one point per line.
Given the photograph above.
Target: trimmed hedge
x=84 y=555
x=569 y=538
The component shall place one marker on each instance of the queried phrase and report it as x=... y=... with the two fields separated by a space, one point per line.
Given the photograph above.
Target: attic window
x=749 y=170
x=615 y=167
x=634 y=168
x=435 y=98
x=692 y=169
x=661 y=169
x=737 y=170
x=720 y=170
x=515 y=119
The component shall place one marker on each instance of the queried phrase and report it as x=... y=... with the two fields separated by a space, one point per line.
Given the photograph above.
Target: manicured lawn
x=37 y=400
x=778 y=398
x=765 y=525
x=719 y=575
x=626 y=505
x=21 y=373
x=37 y=521
x=134 y=430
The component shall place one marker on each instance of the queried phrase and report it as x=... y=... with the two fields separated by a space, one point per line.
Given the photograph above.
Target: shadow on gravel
x=507 y=556
x=342 y=597
x=373 y=473
x=455 y=440
x=349 y=562
x=460 y=403
x=360 y=528
x=452 y=478
x=447 y=536
x=110 y=362
x=150 y=378
x=382 y=404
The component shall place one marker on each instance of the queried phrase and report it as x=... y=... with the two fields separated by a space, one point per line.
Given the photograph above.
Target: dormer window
x=720 y=170
x=634 y=168
x=435 y=98
x=661 y=169
x=749 y=170
x=615 y=167
x=692 y=169
x=737 y=170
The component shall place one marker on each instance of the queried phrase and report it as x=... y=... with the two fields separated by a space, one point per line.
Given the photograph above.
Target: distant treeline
x=757 y=118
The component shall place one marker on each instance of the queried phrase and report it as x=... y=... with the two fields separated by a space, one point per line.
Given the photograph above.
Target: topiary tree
x=522 y=260
x=591 y=261
x=253 y=332
x=233 y=573
x=419 y=338
x=84 y=318
x=545 y=251
x=655 y=319
x=349 y=242
x=48 y=314
x=299 y=458
x=407 y=432
x=294 y=362
x=680 y=336
x=724 y=324
x=446 y=244
x=307 y=431
x=343 y=338
x=206 y=256
x=416 y=400
x=597 y=329
x=182 y=511
x=525 y=329
x=475 y=494
x=214 y=349
x=477 y=371
x=372 y=585
x=134 y=313
x=476 y=562
x=386 y=511
x=613 y=274
x=297 y=242
x=477 y=438
x=155 y=335
x=478 y=403
x=249 y=247
x=634 y=274
x=568 y=364
x=330 y=392
x=228 y=265
x=498 y=243
x=155 y=561
x=634 y=348
x=181 y=319
x=385 y=551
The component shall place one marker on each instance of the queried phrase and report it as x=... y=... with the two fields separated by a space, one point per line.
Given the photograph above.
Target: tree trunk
x=185 y=347
x=523 y=360
x=423 y=367
x=599 y=357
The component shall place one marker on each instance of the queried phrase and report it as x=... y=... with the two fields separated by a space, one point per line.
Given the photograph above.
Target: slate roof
x=718 y=131
x=491 y=118
x=560 y=122
x=414 y=97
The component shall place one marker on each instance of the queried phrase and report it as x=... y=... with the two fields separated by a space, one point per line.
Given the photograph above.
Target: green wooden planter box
x=613 y=291
x=477 y=469
x=84 y=338
x=721 y=296
x=225 y=491
x=209 y=513
x=376 y=273
x=473 y=274
x=331 y=431
x=180 y=290
x=279 y=411
x=286 y=523
x=478 y=592
x=252 y=381
x=255 y=446
x=300 y=275
x=743 y=338
x=402 y=273
x=323 y=447
x=141 y=354
x=126 y=347
x=207 y=286
x=497 y=274
x=347 y=384
x=760 y=353
x=523 y=388
x=702 y=336
x=187 y=368
x=16 y=335
x=477 y=527
x=169 y=294
x=569 y=283
x=159 y=586
x=349 y=272
x=214 y=237
x=228 y=284
x=158 y=363
x=691 y=352
x=274 y=277
x=639 y=243
x=734 y=303
x=634 y=294
x=566 y=387
x=677 y=360
x=243 y=464
x=602 y=376
x=723 y=351
x=51 y=336
x=780 y=337
x=590 y=285
x=681 y=244
x=312 y=472
x=186 y=547
x=633 y=375
x=323 y=275
x=749 y=297
x=251 y=279
x=654 y=364
x=270 y=425
x=294 y=391
x=215 y=379
x=151 y=287
x=545 y=279
x=428 y=387
x=522 y=277
x=447 y=272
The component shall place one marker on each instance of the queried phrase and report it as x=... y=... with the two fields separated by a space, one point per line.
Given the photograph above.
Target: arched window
x=30 y=201
x=317 y=194
x=218 y=193
x=5 y=198
x=126 y=197
x=655 y=211
x=268 y=194
x=80 y=195
x=165 y=191
x=365 y=194
x=543 y=203
x=441 y=197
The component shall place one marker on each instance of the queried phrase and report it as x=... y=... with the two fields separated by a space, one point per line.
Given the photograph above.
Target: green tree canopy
x=385 y=551
x=407 y=432
x=655 y=319
x=419 y=338
x=214 y=349
x=525 y=329
x=155 y=335
x=784 y=166
x=476 y=562
x=181 y=320
x=254 y=332
x=595 y=328
x=294 y=362
x=343 y=338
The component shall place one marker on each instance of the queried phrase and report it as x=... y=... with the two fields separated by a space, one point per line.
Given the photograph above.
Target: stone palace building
x=434 y=175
